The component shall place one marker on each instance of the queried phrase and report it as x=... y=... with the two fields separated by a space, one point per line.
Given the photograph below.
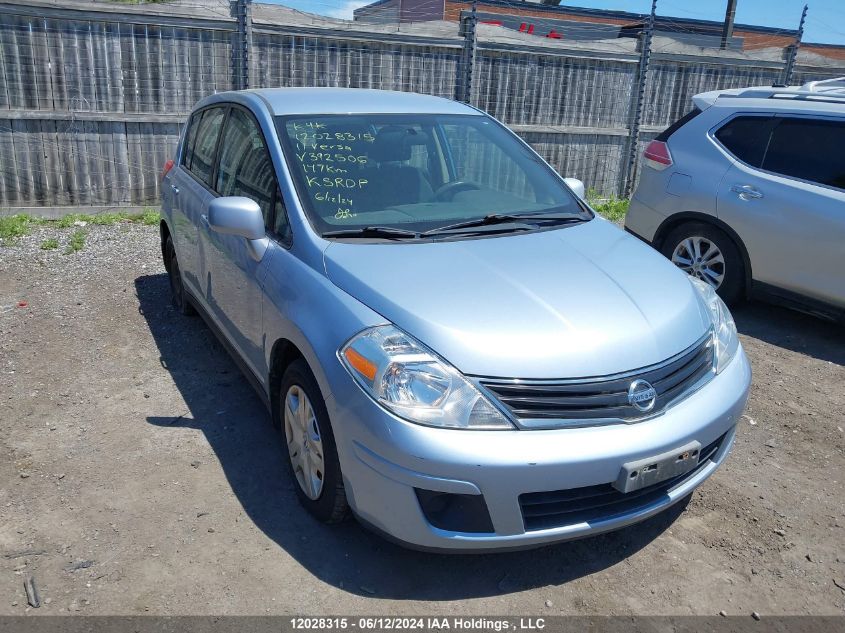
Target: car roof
x=827 y=97
x=282 y=101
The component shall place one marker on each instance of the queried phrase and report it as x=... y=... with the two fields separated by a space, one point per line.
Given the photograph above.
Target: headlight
x=725 y=340
x=402 y=375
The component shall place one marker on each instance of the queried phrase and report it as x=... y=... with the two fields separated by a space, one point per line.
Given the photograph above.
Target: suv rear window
x=745 y=137
x=809 y=149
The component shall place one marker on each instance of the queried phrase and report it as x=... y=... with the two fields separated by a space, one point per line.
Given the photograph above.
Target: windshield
x=417 y=173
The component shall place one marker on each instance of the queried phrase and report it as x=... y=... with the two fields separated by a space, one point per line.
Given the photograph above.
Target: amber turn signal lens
x=362 y=365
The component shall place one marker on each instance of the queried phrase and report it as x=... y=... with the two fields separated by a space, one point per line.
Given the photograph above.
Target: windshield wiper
x=374 y=231
x=506 y=218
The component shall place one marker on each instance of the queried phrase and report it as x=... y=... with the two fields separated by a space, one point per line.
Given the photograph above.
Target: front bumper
x=384 y=459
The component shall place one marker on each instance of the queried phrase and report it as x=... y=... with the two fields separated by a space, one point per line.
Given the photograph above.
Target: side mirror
x=235 y=215
x=577 y=187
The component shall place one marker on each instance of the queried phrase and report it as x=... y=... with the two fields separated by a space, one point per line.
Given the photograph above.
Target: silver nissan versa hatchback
x=456 y=348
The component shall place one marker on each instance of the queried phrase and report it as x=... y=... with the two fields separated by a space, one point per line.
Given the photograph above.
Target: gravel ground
x=140 y=474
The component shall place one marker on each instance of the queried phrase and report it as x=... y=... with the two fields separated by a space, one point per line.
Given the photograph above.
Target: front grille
x=605 y=397
x=543 y=510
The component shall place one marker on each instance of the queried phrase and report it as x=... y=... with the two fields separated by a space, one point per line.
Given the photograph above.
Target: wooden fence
x=93 y=95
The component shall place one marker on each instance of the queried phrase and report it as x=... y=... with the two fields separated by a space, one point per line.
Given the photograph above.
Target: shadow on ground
x=802 y=333
x=224 y=407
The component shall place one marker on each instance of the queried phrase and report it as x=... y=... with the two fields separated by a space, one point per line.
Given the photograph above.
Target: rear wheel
x=178 y=295
x=707 y=253
x=311 y=449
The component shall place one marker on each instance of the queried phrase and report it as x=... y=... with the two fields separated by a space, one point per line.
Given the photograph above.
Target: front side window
x=416 y=172
x=202 y=154
x=809 y=149
x=246 y=169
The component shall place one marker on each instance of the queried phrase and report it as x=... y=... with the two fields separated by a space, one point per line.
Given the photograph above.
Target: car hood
x=586 y=300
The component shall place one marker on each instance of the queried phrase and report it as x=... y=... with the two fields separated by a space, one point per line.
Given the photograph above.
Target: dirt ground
x=139 y=473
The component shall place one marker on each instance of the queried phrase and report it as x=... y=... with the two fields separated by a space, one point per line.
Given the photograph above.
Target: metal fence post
x=639 y=97
x=463 y=89
x=242 y=10
x=792 y=51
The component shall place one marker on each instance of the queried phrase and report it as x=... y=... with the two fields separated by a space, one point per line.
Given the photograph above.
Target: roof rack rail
x=825 y=90
x=825 y=85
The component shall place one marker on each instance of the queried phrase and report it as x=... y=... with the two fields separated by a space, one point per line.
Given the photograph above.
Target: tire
x=722 y=268
x=178 y=296
x=310 y=445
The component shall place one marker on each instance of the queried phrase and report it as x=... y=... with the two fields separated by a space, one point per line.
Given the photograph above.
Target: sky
x=825 y=19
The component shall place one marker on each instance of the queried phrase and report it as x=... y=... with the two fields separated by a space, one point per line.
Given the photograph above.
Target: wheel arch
x=164 y=232
x=284 y=353
x=676 y=220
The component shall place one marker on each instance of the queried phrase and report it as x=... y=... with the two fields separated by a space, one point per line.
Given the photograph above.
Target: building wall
x=751 y=40
x=422 y=10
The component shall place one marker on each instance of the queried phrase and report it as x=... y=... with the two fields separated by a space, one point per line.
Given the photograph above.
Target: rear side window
x=202 y=155
x=746 y=137
x=809 y=149
x=677 y=125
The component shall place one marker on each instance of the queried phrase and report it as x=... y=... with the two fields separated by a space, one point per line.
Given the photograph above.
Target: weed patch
x=13 y=227
x=76 y=242
x=612 y=208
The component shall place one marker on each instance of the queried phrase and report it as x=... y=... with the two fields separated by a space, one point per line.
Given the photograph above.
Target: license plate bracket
x=652 y=470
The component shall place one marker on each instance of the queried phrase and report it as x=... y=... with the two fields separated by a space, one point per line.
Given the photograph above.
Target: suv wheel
x=312 y=453
x=177 y=289
x=706 y=252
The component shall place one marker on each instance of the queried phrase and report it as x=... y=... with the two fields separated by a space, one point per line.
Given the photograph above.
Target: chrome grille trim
x=544 y=404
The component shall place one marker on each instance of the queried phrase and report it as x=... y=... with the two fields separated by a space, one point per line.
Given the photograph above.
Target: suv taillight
x=167 y=167
x=657 y=155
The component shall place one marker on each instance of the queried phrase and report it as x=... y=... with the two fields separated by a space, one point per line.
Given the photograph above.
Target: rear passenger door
x=191 y=193
x=233 y=278
x=786 y=199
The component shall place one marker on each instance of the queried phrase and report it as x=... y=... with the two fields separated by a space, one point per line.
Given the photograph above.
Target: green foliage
x=50 y=244
x=613 y=208
x=13 y=227
x=76 y=242
x=148 y=217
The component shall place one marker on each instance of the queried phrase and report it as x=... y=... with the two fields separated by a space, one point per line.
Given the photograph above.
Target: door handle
x=204 y=220
x=175 y=189
x=747 y=192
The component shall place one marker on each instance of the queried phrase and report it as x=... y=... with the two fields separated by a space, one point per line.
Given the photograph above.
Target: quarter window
x=809 y=149
x=246 y=170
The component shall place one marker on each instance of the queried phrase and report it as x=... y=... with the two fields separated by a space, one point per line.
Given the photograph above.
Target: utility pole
x=792 y=51
x=728 y=28
x=243 y=14
x=468 y=30
x=639 y=98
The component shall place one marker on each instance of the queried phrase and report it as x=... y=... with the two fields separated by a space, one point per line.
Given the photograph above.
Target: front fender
x=302 y=306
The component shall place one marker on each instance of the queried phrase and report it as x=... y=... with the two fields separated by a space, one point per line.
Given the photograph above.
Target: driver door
x=234 y=279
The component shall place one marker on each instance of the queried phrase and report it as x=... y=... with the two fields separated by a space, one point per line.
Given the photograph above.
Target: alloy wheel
x=699 y=257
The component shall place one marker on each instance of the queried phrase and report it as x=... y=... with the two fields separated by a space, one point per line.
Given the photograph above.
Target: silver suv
x=747 y=192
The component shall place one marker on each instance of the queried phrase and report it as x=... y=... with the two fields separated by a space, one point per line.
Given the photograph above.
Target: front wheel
x=707 y=253
x=311 y=449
